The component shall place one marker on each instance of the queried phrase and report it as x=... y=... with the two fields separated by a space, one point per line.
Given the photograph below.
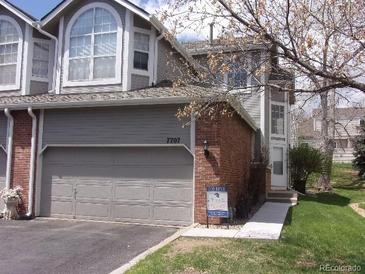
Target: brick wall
x=21 y=155
x=228 y=163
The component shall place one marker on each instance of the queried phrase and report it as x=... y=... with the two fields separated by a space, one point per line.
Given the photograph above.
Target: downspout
x=32 y=162
x=156 y=58
x=55 y=61
x=9 y=148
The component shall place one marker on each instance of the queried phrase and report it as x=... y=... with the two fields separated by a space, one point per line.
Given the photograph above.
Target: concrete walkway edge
x=124 y=268
x=266 y=224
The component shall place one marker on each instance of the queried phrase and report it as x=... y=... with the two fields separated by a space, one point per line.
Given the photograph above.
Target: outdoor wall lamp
x=206 y=148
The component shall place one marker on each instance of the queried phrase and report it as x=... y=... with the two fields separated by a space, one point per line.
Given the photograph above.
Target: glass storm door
x=279 y=170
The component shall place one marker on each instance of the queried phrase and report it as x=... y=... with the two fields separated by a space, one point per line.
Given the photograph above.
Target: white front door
x=279 y=167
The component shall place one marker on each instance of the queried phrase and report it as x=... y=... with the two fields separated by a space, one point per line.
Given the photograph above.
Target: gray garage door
x=144 y=185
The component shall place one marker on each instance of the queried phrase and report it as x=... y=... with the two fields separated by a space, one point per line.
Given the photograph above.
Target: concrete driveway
x=56 y=246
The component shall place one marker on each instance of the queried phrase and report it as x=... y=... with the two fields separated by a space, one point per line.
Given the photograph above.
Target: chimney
x=211 y=37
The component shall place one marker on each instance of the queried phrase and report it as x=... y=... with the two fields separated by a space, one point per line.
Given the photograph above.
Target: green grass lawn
x=320 y=230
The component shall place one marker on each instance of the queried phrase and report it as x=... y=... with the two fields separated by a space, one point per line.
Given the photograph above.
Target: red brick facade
x=228 y=163
x=21 y=154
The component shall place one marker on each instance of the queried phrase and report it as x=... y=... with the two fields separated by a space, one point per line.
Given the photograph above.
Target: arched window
x=94 y=45
x=10 y=53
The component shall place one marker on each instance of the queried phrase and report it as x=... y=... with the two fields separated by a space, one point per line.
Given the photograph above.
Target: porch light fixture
x=206 y=148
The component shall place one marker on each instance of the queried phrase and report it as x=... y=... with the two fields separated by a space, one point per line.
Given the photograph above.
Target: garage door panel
x=172 y=194
x=94 y=191
x=59 y=207
x=92 y=209
x=61 y=190
x=130 y=192
x=132 y=212
x=171 y=214
x=119 y=184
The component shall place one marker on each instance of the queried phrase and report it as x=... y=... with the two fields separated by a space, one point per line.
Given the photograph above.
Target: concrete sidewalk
x=267 y=224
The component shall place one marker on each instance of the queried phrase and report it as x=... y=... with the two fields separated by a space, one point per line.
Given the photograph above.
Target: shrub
x=359 y=147
x=304 y=160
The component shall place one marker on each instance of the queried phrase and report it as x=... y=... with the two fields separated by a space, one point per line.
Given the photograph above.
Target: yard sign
x=217 y=202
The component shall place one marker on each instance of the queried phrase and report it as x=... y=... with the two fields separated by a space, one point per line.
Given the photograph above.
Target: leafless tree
x=321 y=42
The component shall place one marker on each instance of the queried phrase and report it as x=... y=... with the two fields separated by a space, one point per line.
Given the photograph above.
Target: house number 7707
x=173 y=140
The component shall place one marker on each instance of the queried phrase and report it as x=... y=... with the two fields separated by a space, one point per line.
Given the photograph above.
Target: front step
x=282 y=196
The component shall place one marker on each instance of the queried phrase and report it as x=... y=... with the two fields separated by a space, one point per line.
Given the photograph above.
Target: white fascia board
x=17 y=12
x=65 y=4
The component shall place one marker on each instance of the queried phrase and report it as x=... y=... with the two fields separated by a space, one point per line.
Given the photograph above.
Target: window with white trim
x=10 y=53
x=141 y=51
x=41 y=58
x=93 y=46
x=277 y=119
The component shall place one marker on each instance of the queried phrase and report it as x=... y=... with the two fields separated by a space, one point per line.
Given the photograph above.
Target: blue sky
x=38 y=8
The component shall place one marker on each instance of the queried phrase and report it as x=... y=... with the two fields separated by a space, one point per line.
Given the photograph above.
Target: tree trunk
x=327 y=142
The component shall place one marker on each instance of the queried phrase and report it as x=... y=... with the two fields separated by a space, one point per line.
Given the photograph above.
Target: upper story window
x=141 y=50
x=41 y=60
x=10 y=53
x=277 y=119
x=244 y=73
x=94 y=46
x=237 y=79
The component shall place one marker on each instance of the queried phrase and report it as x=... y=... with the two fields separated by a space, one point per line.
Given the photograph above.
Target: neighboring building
x=89 y=128
x=348 y=121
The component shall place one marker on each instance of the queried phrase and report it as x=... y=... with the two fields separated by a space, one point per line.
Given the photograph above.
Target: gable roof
x=18 y=12
x=65 y=3
x=137 y=10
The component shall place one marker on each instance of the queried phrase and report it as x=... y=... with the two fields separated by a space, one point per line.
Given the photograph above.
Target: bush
x=304 y=160
x=359 y=147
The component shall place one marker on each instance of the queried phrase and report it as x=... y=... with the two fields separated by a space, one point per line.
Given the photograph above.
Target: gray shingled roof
x=147 y=96
x=203 y=47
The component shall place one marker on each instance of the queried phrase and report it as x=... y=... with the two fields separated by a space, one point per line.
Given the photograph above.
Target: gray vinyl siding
x=139 y=81
x=141 y=23
x=252 y=104
x=37 y=34
x=37 y=87
x=69 y=12
x=3 y=129
x=277 y=96
x=118 y=125
x=169 y=66
x=144 y=185
x=21 y=23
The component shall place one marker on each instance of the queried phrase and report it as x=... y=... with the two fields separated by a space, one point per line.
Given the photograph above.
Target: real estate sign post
x=217 y=202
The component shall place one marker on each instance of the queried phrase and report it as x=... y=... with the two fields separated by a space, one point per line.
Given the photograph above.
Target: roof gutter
x=9 y=147
x=32 y=162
